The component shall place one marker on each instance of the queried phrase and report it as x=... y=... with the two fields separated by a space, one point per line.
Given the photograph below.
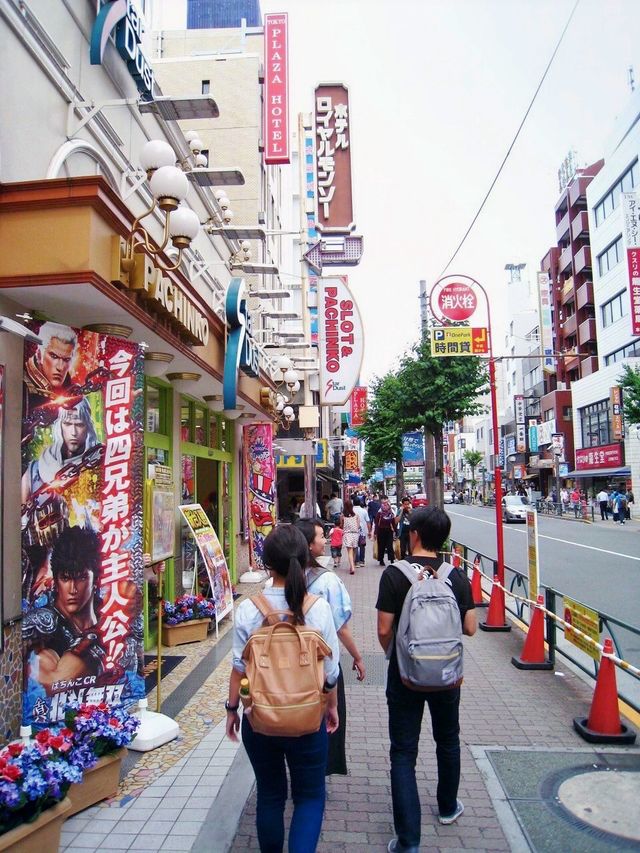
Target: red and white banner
x=340 y=341
x=631 y=238
x=605 y=456
x=358 y=405
x=276 y=89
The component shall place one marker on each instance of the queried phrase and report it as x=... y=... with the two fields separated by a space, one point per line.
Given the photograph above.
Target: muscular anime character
x=46 y=373
x=63 y=635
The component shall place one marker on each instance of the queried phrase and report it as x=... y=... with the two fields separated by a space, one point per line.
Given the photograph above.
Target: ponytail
x=295 y=589
x=286 y=552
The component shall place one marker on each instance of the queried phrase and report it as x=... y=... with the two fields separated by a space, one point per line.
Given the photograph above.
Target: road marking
x=552 y=538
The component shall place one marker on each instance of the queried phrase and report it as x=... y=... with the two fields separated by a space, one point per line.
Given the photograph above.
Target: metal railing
x=585 y=512
x=625 y=637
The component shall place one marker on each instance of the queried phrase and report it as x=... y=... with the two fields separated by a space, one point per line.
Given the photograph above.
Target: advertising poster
x=578 y=616
x=1 y=496
x=412 y=448
x=213 y=557
x=81 y=520
x=260 y=471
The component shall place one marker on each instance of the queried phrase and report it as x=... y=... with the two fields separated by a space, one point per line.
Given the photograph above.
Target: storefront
x=602 y=468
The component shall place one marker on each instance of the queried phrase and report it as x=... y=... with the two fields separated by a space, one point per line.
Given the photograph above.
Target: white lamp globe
x=219 y=194
x=287 y=412
x=183 y=227
x=169 y=186
x=191 y=134
x=156 y=153
x=227 y=216
x=245 y=246
x=290 y=377
x=224 y=202
x=201 y=160
x=283 y=363
x=295 y=387
x=196 y=145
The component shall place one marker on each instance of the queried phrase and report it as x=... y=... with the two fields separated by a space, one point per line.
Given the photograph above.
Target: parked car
x=419 y=500
x=449 y=498
x=514 y=508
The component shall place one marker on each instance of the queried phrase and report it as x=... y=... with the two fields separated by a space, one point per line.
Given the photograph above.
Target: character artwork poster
x=260 y=487
x=212 y=556
x=81 y=521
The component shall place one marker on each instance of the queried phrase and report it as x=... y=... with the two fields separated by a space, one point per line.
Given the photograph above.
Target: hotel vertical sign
x=333 y=159
x=276 y=89
x=631 y=237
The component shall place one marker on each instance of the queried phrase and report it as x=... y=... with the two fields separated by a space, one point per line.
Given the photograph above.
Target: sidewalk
x=528 y=781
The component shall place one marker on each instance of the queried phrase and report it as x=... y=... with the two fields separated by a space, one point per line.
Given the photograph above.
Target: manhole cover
x=588 y=796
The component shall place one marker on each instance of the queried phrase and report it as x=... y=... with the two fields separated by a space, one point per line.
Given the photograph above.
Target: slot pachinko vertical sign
x=81 y=521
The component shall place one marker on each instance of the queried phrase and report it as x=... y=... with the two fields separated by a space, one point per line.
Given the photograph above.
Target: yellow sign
x=459 y=340
x=351 y=462
x=532 y=553
x=285 y=460
x=585 y=620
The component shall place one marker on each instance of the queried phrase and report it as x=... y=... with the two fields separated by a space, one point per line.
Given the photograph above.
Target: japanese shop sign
x=276 y=89
x=459 y=340
x=521 y=432
x=351 y=461
x=341 y=341
x=532 y=553
x=125 y=18
x=288 y=460
x=546 y=322
x=578 y=616
x=617 y=423
x=605 y=456
x=631 y=238
x=81 y=521
x=242 y=351
x=358 y=405
x=333 y=159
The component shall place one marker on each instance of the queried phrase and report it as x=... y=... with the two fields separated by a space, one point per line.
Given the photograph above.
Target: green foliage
x=630 y=384
x=472 y=458
x=382 y=429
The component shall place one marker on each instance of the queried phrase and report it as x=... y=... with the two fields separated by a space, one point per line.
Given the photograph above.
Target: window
x=206 y=87
x=609 y=203
x=614 y=309
x=595 y=424
x=632 y=349
x=548 y=414
x=567 y=413
x=611 y=256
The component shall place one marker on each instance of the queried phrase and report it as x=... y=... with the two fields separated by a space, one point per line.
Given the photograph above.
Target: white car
x=448 y=497
x=514 y=508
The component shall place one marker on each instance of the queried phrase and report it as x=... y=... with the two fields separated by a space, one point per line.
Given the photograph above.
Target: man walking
x=429 y=529
x=603 y=499
x=403 y=520
x=334 y=508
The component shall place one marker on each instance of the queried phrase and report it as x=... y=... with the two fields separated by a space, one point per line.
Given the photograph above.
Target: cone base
x=626 y=735
x=525 y=664
x=484 y=626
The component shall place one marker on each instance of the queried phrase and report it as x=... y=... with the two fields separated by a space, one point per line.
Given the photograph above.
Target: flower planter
x=98 y=783
x=41 y=835
x=185 y=632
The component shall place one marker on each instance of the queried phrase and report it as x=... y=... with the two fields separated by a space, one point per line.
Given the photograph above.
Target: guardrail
x=625 y=637
x=583 y=512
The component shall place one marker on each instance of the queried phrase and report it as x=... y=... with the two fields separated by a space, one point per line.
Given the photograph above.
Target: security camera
x=9 y=325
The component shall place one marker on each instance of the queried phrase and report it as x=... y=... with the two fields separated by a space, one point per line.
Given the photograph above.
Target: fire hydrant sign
x=340 y=341
x=578 y=616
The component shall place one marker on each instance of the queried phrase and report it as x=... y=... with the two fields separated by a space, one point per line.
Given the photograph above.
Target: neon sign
x=127 y=21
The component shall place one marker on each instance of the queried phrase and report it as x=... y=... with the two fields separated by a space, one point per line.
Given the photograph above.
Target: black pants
x=405 y=551
x=604 y=510
x=385 y=544
x=337 y=756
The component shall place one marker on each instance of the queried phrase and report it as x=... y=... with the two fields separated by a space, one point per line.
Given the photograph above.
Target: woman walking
x=384 y=527
x=324 y=582
x=285 y=555
x=351 y=528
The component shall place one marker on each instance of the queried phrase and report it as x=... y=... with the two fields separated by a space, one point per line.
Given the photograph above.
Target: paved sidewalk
x=520 y=758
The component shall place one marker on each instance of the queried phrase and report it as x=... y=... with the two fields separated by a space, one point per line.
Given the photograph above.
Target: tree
x=434 y=392
x=382 y=429
x=473 y=458
x=630 y=384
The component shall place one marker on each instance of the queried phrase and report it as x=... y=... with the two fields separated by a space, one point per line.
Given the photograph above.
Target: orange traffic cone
x=496 y=620
x=532 y=656
x=476 y=583
x=604 y=724
x=455 y=559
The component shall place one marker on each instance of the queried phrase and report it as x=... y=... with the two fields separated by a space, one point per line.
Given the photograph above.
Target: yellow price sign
x=459 y=340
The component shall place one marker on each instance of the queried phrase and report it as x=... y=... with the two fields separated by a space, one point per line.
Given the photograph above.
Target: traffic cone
x=532 y=656
x=603 y=724
x=476 y=583
x=455 y=559
x=496 y=620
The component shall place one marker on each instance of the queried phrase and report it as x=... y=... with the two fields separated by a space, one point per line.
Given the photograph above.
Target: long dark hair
x=286 y=553
x=348 y=509
x=308 y=528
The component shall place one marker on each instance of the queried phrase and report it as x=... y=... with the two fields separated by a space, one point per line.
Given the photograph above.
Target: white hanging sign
x=340 y=341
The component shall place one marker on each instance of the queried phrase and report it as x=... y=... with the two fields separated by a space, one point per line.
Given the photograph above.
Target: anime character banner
x=213 y=557
x=81 y=518
x=260 y=471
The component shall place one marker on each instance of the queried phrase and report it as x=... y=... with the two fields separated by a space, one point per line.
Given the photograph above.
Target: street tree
x=382 y=429
x=472 y=458
x=630 y=384
x=435 y=391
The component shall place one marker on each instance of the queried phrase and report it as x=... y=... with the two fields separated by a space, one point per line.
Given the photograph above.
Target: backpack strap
x=309 y=601
x=271 y=615
x=444 y=571
x=407 y=570
x=315 y=573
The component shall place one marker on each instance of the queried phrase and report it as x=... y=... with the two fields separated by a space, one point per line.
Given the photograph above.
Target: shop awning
x=601 y=472
x=327 y=479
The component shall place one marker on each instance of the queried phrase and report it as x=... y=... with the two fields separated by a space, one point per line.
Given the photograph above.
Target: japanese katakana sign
x=333 y=159
x=631 y=237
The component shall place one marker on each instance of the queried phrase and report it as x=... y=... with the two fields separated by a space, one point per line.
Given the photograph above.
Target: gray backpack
x=429 y=636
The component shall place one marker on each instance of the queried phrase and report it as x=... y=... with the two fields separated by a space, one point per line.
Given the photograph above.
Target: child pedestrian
x=335 y=540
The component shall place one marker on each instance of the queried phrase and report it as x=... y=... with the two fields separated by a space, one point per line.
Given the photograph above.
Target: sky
x=437 y=91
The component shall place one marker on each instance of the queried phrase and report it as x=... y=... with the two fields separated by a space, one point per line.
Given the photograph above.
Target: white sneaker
x=454 y=817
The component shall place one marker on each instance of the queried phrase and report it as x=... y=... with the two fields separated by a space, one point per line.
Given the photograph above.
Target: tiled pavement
x=196 y=793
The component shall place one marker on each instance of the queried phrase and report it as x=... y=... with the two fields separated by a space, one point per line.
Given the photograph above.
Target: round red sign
x=457 y=301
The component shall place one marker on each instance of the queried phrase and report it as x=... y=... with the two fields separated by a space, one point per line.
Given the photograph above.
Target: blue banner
x=389 y=469
x=412 y=448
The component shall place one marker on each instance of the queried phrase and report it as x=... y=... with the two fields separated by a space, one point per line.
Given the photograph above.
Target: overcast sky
x=437 y=91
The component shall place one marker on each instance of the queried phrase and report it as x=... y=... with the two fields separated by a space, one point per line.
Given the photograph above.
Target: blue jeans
x=306 y=758
x=360 y=552
x=405 y=721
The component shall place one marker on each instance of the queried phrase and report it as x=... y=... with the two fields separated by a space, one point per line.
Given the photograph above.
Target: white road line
x=551 y=538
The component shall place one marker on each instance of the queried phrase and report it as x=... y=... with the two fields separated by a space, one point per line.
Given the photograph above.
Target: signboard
x=276 y=89
x=578 y=616
x=605 y=456
x=413 y=448
x=557 y=446
x=546 y=323
x=617 y=424
x=389 y=469
x=242 y=352
x=333 y=159
x=1 y=494
x=351 y=460
x=518 y=408
x=212 y=557
x=545 y=430
x=286 y=460
x=82 y=484
x=162 y=526
x=457 y=301
x=533 y=439
x=335 y=251
x=631 y=241
x=340 y=341
x=260 y=487
x=459 y=340
x=521 y=438
x=126 y=19
x=501 y=452
x=358 y=405
x=532 y=554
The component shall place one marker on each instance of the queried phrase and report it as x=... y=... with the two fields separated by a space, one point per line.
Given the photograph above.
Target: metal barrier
x=516 y=584
x=585 y=512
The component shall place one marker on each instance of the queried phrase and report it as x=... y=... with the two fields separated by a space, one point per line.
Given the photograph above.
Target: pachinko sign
x=81 y=519
x=340 y=339
x=260 y=487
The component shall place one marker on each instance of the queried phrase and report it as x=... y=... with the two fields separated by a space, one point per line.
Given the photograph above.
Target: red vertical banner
x=358 y=405
x=81 y=518
x=260 y=471
x=276 y=89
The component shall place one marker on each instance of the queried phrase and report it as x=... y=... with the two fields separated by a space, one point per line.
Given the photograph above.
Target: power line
x=513 y=142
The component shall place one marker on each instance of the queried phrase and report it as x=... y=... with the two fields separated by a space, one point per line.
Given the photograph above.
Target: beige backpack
x=286 y=674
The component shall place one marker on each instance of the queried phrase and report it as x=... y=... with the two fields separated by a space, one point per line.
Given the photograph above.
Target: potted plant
x=99 y=735
x=34 y=780
x=186 y=619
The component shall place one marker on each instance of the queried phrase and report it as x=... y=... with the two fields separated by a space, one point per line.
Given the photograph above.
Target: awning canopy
x=601 y=472
x=327 y=479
